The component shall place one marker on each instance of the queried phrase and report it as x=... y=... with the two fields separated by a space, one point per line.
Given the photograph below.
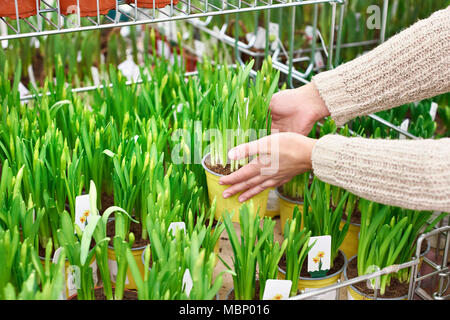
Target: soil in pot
x=396 y=289
x=107 y=201
x=338 y=264
x=99 y=295
x=218 y=168
x=134 y=227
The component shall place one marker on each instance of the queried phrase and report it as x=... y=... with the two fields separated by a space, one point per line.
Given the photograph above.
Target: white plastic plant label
x=112 y=264
x=174 y=226
x=187 y=282
x=31 y=75
x=309 y=32
x=319 y=256
x=274 y=35
x=23 y=90
x=273 y=202
x=277 y=289
x=433 y=110
x=404 y=126
x=95 y=76
x=73 y=282
x=125 y=31
x=318 y=60
x=82 y=211
x=130 y=69
x=4 y=32
x=56 y=255
x=260 y=41
x=199 y=48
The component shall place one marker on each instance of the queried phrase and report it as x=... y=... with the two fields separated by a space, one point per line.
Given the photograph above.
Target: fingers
x=261 y=146
x=244 y=185
x=245 y=173
x=256 y=190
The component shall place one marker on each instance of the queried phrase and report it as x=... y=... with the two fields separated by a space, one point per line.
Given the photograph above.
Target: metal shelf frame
x=442 y=270
x=43 y=25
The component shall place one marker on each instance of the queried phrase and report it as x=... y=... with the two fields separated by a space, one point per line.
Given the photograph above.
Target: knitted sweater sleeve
x=413 y=65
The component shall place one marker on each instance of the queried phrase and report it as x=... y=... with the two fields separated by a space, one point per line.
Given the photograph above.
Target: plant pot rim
x=132 y=249
x=207 y=169
x=342 y=269
x=352 y=223
x=286 y=199
x=364 y=294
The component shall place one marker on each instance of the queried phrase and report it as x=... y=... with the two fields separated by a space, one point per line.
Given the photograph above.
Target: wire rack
x=52 y=18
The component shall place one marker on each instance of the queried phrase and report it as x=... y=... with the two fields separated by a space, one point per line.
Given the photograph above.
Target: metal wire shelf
x=50 y=20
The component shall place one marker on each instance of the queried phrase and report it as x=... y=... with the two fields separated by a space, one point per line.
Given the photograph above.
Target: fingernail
x=225 y=195
x=232 y=154
x=242 y=199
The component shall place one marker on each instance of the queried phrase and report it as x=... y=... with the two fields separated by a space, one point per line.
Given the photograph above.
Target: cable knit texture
x=413 y=65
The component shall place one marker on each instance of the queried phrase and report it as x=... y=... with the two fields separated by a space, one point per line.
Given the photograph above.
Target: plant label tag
x=273 y=202
x=95 y=76
x=433 y=110
x=73 y=276
x=373 y=283
x=112 y=264
x=274 y=35
x=319 y=256
x=318 y=59
x=199 y=48
x=4 y=32
x=260 y=41
x=79 y=56
x=404 y=126
x=309 y=32
x=31 y=75
x=130 y=69
x=23 y=90
x=174 y=226
x=187 y=282
x=277 y=289
x=125 y=31
x=82 y=211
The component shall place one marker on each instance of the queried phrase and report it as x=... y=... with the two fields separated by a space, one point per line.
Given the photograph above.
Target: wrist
x=318 y=105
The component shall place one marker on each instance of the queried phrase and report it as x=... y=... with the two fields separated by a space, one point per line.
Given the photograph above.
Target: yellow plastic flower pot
x=129 y=280
x=351 y=240
x=287 y=209
x=309 y=284
x=231 y=204
x=354 y=294
x=71 y=289
x=273 y=204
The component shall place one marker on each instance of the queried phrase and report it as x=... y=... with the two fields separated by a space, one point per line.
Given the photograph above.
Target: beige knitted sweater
x=411 y=66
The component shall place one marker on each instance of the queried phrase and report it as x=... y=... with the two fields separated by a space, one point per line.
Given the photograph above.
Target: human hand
x=296 y=110
x=281 y=156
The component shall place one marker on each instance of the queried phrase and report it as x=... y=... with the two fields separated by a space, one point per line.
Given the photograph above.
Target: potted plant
x=321 y=220
x=247 y=251
x=25 y=8
x=23 y=277
x=297 y=250
x=291 y=196
x=88 y=8
x=239 y=115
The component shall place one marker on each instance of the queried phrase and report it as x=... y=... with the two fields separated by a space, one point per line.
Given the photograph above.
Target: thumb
x=261 y=146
